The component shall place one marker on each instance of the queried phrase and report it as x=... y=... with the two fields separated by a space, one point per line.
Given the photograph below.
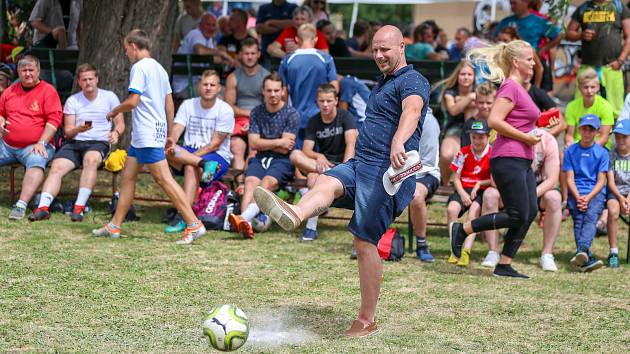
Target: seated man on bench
x=30 y=113
x=272 y=131
x=334 y=133
x=206 y=122
x=90 y=135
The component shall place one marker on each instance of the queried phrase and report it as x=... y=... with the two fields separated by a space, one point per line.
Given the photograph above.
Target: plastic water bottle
x=228 y=210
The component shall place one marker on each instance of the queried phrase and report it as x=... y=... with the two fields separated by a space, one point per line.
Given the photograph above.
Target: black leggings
x=516 y=184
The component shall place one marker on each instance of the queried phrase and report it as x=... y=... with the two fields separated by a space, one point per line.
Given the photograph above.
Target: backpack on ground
x=391 y=247
x=211 y=205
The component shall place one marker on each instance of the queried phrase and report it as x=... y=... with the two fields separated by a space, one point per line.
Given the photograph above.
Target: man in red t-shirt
x=286 y=42
x=471 y=167
x=30 y=113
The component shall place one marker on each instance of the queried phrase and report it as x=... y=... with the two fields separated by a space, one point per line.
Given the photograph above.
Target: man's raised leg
x=325 y=191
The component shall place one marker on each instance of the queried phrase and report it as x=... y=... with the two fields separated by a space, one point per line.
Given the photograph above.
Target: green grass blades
x=65 y=291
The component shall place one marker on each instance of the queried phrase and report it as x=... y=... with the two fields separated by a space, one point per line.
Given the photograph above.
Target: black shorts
x=456 y=198
x=74 y=150
x=430 y=182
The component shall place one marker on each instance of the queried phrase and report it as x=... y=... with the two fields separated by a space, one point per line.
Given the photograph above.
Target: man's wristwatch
x=43 y=142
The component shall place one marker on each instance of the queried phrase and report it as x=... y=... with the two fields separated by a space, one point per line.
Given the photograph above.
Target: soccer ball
x=226 y=327
x=261 y=222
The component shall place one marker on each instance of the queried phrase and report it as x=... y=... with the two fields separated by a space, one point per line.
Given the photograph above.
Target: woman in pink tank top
x=513 y=116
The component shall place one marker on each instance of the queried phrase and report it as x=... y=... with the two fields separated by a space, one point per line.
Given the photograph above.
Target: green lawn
x=64 y=291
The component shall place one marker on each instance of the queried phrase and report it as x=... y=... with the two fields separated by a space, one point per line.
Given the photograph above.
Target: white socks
x=614 y=250
x=84 y=195
x=250 y=212
x=21 y=204
x=45 y=200
x=312 y=223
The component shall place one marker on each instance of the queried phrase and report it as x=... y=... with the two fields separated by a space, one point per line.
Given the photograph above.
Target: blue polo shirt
x=356 y=93
x=272 y=12
x=303 y=72
x=531 y=28
x=383 y=115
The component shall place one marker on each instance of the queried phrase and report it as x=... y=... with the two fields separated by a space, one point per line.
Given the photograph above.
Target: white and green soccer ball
x=227 y=327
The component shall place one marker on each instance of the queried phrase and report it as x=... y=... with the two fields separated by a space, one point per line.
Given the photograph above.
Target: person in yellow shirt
x=590 y=103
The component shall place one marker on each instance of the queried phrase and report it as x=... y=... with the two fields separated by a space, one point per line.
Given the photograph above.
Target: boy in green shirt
x=589 y=103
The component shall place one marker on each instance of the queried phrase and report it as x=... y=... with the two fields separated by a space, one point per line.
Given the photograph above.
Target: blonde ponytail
x=495 y=62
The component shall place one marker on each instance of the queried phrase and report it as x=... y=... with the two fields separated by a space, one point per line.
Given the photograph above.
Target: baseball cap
x=478 y=126
x=590 y=120
x=393 y=178
x=622 y=127
x=6 y=71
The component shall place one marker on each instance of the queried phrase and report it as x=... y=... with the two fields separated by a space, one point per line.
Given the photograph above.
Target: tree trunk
x=104 y=25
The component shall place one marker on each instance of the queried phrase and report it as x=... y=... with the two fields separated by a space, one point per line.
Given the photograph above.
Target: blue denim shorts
x=146 y=155
x=10 y=155
x=374 y=209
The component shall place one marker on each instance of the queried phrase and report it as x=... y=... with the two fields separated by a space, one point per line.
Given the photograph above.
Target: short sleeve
x=225 y=123
x=52 y=107
x=311 y=128
x=292 y=122
x=576 y=15
x=262 y=13
x=415 y=84
x=543 y=100
x=182 y=113
x=113 y=101
x=282 y=70
x=347 y=121
x=137 y=80
x=566 y=160
x=71 y=106
x=458 y=162
x=570 y=115
x=552 y=31
x=282 y=36
x=39 y=11
x=508 y=91
x=254 y=116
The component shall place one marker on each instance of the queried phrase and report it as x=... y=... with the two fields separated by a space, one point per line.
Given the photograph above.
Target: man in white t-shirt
x=199 y=41
x=150 y=101
x=206 y=122
x=90 y=135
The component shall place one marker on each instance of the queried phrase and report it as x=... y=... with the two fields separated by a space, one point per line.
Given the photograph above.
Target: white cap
x=393 y=178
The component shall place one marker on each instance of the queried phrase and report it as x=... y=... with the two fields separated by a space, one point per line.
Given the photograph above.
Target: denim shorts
x=146 y=155
x=10 y=155
x=223 y=166
x=374 y=209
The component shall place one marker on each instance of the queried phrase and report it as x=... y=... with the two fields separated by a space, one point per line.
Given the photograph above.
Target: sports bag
x=211 y=205
x=391 y=247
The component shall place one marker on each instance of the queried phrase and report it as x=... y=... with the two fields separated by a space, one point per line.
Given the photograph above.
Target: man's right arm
x=573 y=33
x=259 y=144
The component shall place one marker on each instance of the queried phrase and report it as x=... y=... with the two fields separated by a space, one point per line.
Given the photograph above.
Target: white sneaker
x=491 y=260
x=547 y=263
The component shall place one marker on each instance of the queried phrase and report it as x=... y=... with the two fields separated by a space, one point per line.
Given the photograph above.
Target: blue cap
x=590 y=120
x=622 y=127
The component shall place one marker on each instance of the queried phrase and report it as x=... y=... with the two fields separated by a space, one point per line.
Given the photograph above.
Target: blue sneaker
x=309 y=235
x=178 y=227
x=592 y=264
x=613 y=260
x=424 y=254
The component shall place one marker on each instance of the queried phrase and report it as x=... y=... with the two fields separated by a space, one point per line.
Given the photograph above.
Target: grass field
x=64 y=291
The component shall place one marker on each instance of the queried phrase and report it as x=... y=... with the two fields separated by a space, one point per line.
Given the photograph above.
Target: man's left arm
x=411 y=109
x=54 y=116
x=618 y=62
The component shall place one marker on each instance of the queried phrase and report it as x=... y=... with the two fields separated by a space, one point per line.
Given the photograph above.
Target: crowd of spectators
x=304 y=119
